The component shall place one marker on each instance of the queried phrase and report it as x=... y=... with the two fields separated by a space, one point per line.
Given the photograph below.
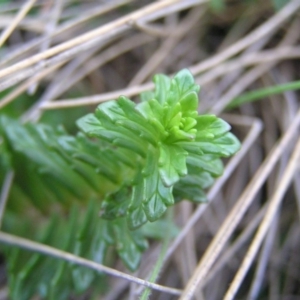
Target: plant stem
x=158 y=266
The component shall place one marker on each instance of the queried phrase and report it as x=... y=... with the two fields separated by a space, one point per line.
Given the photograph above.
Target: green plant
x=130 y=162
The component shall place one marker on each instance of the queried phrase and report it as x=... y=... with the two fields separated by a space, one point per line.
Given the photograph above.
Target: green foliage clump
x=130 y=161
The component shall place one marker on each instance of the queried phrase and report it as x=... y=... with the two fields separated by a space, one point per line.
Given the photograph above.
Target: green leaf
x=115 y=205
x=156 y=196
x=89 y=124
x=189 y=102
x=157 y=230
x=224 y=145
x=201 y=179
x=162 y=87
x=129 y=244
x=136 y=215
x=153 y=114
x=37 y=163
x=146 y=96
x=189 y=192
x=50 y=165
x=172 y=164
x=181 y=85
x=119 y=123
x=263 y=93
x=136 y=218
x=191 y=187
x=209 y=163
x=209 y=126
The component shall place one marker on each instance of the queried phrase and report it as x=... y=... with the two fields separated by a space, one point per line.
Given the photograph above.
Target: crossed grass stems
x=212 y=73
